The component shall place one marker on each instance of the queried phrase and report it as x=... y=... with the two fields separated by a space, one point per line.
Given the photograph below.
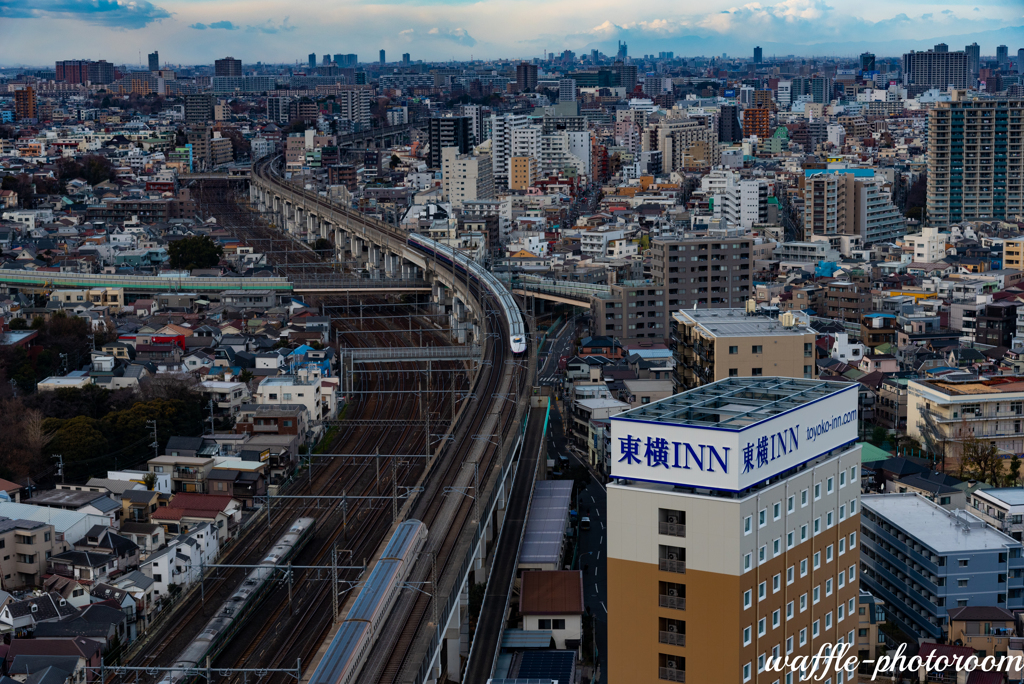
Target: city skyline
x=189 y=32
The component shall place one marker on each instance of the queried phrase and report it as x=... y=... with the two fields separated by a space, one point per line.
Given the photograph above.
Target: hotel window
x=762 y=553
x=776 y=582
x=748 y=525
x=828 y=620
x=842 y=512
x=777 y=546
x=842 y=579
x=760 y=663
x=762 y=591
x=789 y=575
x=803 y=532
x=853 y=507
x=851 y=572
x=817 y=491
x=789 y=540
x=803 y=498
x=814 y=629
x=746 y=672
x=817 y=525
x=762 y=517
x=829 y=519
x=746 y=562
x=789 y=610
x=762 y=627
x=789 y=645
x=853 y=540
x=830 y=485
x=842 y=545
x=840 y=613
x=842 y=479
x=803 y=602
x=849 y=605
x=790 y=504
x=776 y=618
x=817 y=559
x=747 y=599
x=816 y=595
x=776 y=511
x=828 y=553
x=828 y=587
x=853 y=473
x=803 y=568
x=746 y=636
x=803 y=636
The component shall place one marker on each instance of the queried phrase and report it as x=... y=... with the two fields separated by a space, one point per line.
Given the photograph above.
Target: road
x=559 y=347
x=593 y=546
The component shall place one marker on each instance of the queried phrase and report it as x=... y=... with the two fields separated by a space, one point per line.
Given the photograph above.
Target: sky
x=38 y=32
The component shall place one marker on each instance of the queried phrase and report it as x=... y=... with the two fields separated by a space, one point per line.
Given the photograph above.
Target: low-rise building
x=586 y=410
x=188 y=473
x=552 y=601
x=870 y=615
x=26 y=544
x=180 y=562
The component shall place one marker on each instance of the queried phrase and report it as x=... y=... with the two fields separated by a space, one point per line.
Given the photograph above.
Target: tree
x=878 y=435
x=395 y=161
x=19 y=324
x=1014 y=475
x=150 y=481
x=198 y=251
x=979 y=459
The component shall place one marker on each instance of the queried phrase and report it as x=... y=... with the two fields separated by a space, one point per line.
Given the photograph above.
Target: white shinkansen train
x=484 y=279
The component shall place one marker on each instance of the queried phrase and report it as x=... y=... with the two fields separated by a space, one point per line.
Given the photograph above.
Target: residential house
x=186 y=510
x=88 y=567
x=25 y=547
x=188 y=473
x=180 y=562
x=986 y=629
x=552 y=601
x=19 y=618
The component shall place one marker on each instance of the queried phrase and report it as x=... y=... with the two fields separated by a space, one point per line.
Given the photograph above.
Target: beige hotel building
x=733 y=517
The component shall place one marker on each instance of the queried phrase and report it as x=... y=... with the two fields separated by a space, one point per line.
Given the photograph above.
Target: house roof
x=79 y=647
x=552 y=592
x=987 y=613
x=211 y=503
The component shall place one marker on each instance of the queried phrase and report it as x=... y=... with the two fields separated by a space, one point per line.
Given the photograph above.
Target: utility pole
x=213 y=426
x=60 y=466
x=156 y=442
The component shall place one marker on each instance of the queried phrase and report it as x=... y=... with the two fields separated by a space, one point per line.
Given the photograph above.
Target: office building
x=229 y=66
x=933 y=69
x=382 y=57
x=326 y=60
x=867 y=61
x=970 y=174
x=405 y=59
x=850 y=202
x=758 y=55
x=925 y=561
x=714 y=344
x=757 y=121
x=973 y=52
x=154 y=61
x=627 y=74
x=25 y=103
x=623 y=51
x=101 y=72
x=732 y=537
x=448 y=131
x=312 y=60
x=566 y=90
x=526 y=76
x=466 y=177
x=1002 y=56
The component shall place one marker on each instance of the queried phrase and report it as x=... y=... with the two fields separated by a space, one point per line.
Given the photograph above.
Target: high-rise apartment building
x=72 y=71
x=382 y=56
x=850 y=202
x=199 y=108
x=758 y=55
x=566 y=90
x=312 y=60
x=503 y=130
x=742 y=203
x=154 y=61
x=729 y=129
x=973 y=52
x=406 y=59
x=974 y=160
x=1002 y=55
x=466 y=177
x=448 y=131
x=25 y=103
x=867 y=61
x=526 y=76
x=933 y=69
x=732 y=535
x=757 y=121
x=354 y=103
x=684 y=143
x=522 y=172
x=229 y=66
x=627 y=74
x=101 y=72
x=277 y=109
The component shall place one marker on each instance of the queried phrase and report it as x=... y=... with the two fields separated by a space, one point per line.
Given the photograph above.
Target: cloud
x=270 y=27
x=226 y=25
x=456 y=35
x=123 y=14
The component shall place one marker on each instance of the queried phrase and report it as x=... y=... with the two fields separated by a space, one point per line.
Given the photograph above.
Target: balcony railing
x=674 y=602
x=672 y=529
x=671 y=675
x=673 y=638
x=672 y=565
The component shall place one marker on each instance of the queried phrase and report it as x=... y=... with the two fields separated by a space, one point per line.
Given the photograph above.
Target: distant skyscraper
x=758 y=55
x=338 y=59
x=382 y=57
x=623 y=50
x=312 y=60
x=566 y=90
x=1002 y=55
x=973 y=58
x=941 y=47
x=25 y=103
x=526 y=75
x=867 y=62
x=326 y=60
x=229 y=66
x=935 y=69
x=1020 y=61
x=594 y=56
x=154 y=61
x=405 y=58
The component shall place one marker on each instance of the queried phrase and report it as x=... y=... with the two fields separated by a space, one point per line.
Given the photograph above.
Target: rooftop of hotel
x=735 y=403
